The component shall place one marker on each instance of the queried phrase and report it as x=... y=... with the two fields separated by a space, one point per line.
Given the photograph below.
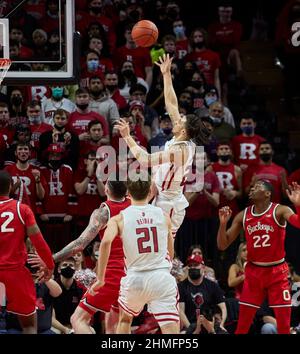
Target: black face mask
x=59 y=128
x=265 y=157
x=128 y=73
x=96 y=9
x=16 y=100
x=196 y=84
x=194 y=273
x=82 y=106
x=111 y=88
x=96 y=93
x=67 y=272
x=224 y=158
x=55 y=164
x=199 y=45
x=167 y=131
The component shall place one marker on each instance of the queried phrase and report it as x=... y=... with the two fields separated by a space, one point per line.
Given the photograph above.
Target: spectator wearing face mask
x=101 y=103
x=222 y=130
x=94 y=66
x=66 y=303
x=164 y=135
x=229 y=176
x=182 y=42
x=245 y=146
x=198 y=296
x=55 y=102
x=211 y=96
x=16 y=108
x=207 y=60
x=37 y=127
x=112 y=86
x=57 y=205
x=268 y=170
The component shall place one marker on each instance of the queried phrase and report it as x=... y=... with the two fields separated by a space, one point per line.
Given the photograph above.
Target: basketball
x=144 y=33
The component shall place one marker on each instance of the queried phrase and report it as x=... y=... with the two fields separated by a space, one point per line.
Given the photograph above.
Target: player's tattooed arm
x=98 y=220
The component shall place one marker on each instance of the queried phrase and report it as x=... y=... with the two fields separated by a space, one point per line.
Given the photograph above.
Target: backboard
x=49 y=49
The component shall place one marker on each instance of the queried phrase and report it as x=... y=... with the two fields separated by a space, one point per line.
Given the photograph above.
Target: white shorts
x=169 y=207
x=156 y=288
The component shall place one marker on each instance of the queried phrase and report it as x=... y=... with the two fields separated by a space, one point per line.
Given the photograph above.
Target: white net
x=4 y=67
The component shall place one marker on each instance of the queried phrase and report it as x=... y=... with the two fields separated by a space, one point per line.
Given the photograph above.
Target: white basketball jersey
x=145 y=238
x=170 y=179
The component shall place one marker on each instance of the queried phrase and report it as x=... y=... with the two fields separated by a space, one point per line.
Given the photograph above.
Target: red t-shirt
x=182 y=48
x=36 y=131
x=225 y=36
x=116 y=257
x=14 y=219
x=271 y=173
x=119 y=99
x=264 y=235
x=59 y=191
x=77 y=123
x=140 y=57
x=90 y=199
x=201 y=208
x=294 y=177
x=207 y=61
x=245 y=150
x=227 y=180
x=27 y=191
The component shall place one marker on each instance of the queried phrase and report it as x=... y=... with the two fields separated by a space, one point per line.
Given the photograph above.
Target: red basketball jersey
x=116 y=258
x=264 y=235
x=14 y=218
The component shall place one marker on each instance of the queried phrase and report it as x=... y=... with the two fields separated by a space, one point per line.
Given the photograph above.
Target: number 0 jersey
x=264 y=235
x=145 y=238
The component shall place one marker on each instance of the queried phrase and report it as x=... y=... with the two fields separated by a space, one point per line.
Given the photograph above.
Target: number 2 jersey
x=264 y=235
x=145 y=238
x=14 y=218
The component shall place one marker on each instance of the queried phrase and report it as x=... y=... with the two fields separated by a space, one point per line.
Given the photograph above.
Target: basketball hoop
x=4 y=67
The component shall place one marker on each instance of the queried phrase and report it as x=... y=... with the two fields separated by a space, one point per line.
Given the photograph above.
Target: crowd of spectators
x=49 y=136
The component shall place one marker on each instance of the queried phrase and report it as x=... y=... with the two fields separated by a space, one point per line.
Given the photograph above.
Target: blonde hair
x=239 y=260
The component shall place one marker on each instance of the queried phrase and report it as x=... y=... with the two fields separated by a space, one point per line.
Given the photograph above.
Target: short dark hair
x=196 y=130
x=247 y=115
x=93 y=122
x=81 y=90
x=66 y=260
x=168 y=38
x=117 y=188
x=266 y=142
x=267 y=185
x=5 y=182
x=137 y=87
x=139 y=189
x=34 y=103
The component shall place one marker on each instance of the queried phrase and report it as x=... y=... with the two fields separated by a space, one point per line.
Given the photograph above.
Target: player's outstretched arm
x=286 y=213
x=226 y=237
x=176 y=154
x=112 y=230
x=171 y=102
x=98 y=220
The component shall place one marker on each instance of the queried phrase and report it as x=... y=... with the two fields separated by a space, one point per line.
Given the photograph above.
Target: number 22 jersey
x=264 y=235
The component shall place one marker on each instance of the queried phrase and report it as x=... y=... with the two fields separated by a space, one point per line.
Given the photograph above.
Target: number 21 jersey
x=145 y=238
x=264 y=235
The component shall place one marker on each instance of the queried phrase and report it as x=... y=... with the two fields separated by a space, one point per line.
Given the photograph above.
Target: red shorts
x=107 y=297
x=266 y=282
x=20 y=291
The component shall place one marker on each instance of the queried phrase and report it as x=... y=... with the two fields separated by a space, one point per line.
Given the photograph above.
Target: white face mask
x=35 y=120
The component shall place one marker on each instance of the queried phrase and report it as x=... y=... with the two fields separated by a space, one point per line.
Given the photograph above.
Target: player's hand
x=123 y=128
x=94 y=289
x=224 y=215
x=294 y=193
x=36 y=261
x=164 y=62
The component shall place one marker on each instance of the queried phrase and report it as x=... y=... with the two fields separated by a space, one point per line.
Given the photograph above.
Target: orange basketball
x=144 y=33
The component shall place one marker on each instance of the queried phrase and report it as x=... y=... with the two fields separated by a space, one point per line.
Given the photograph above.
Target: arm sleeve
x=37 y=239
x=294 y=219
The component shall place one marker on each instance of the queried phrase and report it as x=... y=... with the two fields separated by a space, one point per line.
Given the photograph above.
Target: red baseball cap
x=195 y=259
